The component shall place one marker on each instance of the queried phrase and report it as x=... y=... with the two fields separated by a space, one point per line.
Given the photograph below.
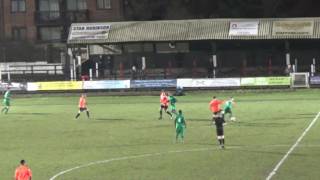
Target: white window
x=49 y=9
x=18 y=5
x=103 y=4
x=19 y=33
x=77 y=4
x=50 y=33
x=49 y=5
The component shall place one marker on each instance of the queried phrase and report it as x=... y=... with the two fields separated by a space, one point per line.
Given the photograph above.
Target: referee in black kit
x=219 y=121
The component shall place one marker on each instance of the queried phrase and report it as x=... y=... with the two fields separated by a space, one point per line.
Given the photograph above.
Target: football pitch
x=124 y=139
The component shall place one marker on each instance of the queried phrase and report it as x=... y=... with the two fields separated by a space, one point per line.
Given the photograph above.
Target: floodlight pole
x=79 y=64
x=143 y=67
x=9 y=78
x=71 y=74
x=288 y=59
x=314 y=64
x=287 y=50
x=214 y=64
x=90 y=74
x=97 y=70
x=312 y=69
x=74 y=69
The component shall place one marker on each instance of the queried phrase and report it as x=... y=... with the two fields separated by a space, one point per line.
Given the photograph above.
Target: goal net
x=300 y=80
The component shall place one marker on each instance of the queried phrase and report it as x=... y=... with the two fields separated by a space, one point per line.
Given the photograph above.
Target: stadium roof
x=198 y=29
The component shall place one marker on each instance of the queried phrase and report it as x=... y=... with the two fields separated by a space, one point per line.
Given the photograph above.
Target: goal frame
x=306 y=80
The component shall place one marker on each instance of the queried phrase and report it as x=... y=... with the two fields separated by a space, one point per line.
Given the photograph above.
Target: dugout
x=194 y=48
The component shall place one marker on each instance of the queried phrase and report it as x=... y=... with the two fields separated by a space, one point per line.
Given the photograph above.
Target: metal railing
x=34 y=69
x=32 y=72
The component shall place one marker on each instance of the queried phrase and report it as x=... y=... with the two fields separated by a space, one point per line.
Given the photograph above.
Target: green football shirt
x=180 y=120
x=7 y=95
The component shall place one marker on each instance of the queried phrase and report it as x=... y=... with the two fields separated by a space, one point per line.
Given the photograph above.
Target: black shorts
x=219 y=131
x=82 y=109
x=165 y=107
x=228 y=110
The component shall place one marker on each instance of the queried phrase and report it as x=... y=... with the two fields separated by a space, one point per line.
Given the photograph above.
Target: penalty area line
x=276 y=168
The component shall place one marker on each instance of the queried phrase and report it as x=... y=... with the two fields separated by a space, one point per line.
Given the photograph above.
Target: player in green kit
x=173 y=101
x=180 y=125
x=227 y=109
x=6 y=102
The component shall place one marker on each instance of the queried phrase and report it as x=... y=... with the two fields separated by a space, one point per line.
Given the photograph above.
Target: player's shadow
x=111 y=119
x=199 y=120
x=156 y=126
x=255 y=149
x=135 y=145
x=297 y=117
x=251 y=151
x=262 y=124
x=307 y=114
x=39 y=114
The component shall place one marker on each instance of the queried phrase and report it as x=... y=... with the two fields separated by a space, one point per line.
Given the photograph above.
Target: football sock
x=77 y=115
x=5 y=110
x=88 y=114
x=220 y=141
x=223 y=141
x=169 y=114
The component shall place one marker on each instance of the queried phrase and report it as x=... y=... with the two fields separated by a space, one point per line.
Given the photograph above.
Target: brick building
x=36 y=30
x=44 y=21
x=18 y=20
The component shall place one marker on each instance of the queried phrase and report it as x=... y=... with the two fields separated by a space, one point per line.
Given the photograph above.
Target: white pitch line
x=132 y=157
x=163 y=153
x=274 y=171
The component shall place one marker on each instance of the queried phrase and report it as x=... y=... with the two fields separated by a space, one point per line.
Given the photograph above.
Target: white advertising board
x=243 y=28
x=292 y=28
x=89 y=31
x=219 y=82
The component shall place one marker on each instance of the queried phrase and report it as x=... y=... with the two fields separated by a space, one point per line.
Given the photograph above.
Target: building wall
x=27 y=19
x=103 y=15
x=20 y=19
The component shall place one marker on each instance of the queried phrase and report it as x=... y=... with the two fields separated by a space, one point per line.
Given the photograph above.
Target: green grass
x=43 y=131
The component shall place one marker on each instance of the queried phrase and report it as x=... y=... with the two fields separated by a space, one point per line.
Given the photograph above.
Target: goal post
x=300 y=80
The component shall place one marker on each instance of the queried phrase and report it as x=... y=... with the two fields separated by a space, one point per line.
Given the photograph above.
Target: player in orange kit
x=215 y=105
x=164 y=103
x=83 y=106
x=23 y=172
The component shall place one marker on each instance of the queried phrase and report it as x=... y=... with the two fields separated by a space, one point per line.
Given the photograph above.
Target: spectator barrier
x=13 y=86
x=55 y=85
x=207 y=83
x=110 y=84
x=266 y=81
x=315 y=80
x=165 y=83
